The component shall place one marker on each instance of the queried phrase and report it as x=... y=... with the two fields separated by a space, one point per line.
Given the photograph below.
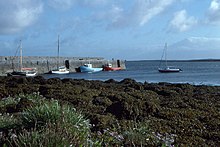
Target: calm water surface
x=207 y=73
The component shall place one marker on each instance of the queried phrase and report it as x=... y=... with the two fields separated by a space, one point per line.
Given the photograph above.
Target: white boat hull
x=31 y=74
x=59 y=72
x=167 y=70
x=23 y=73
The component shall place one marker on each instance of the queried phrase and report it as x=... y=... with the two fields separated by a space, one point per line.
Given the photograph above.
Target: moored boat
x=61 y=69
x=28 y=72
x=167 y=69
x=88 y=68
x=108 y=67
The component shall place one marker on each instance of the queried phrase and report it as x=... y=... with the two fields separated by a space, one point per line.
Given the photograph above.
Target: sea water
x=197 y=73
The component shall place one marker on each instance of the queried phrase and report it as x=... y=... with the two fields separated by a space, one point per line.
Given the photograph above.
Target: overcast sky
x=120 y=29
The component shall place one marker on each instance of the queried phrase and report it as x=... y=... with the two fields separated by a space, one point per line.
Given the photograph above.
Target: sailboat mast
x=166 y=54
x=21 y=55
x=58 y=52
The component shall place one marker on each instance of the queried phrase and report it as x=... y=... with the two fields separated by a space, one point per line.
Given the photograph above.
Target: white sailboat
x=167 y=69
x=60 y=69
x=28 y=72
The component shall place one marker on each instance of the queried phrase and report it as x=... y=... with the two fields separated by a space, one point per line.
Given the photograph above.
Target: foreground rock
x=189 y=113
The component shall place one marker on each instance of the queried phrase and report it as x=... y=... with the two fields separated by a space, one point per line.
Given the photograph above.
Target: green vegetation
x=49 y=123
x=43 y=123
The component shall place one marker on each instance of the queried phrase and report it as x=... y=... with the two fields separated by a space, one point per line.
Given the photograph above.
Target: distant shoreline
x=190 y=60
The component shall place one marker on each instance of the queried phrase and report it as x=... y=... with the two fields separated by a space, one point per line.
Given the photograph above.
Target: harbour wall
x=44 y=64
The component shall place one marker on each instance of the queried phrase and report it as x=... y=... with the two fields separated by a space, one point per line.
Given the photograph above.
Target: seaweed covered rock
x=188 y=112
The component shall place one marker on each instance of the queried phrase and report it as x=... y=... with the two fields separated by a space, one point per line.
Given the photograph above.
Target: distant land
x=204 y=60
x=189 y=60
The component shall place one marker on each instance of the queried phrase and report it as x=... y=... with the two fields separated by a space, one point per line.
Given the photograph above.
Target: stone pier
x=44 y=64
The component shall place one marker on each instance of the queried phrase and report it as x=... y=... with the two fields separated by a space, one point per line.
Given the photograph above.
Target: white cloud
x=203 y=40
x=182 y=22
x=215 y=6
x=198 y=44
x=146 y=10
x=195 y=48
x=17 y=15
x=214 y=12
x=117 y=14
x=111 y=16
x=140 y=13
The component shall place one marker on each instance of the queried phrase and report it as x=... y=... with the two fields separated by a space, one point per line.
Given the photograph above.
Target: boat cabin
x=88 y=65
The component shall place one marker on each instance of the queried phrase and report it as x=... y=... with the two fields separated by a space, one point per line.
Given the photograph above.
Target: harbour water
x=196 y=73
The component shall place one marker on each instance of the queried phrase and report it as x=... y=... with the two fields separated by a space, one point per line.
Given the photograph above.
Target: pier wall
x=45 y=64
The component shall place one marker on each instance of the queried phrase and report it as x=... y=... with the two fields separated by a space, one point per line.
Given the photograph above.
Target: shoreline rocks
x=190 y=113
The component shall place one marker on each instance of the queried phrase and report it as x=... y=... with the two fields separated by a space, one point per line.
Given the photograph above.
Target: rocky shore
x=188 y=114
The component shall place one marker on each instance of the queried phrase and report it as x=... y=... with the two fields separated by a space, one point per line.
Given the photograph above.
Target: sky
x=119 y=29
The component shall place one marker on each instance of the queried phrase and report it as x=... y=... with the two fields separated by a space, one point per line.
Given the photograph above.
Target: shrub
x=48 y=123
x=59 y=121
x=5 y=103
x=8 y=122
x=51 y=136
x=44 y=123
x=19 y=102
x=139 y=133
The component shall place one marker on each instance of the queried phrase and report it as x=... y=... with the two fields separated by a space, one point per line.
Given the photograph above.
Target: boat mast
x=58 y=52
x=21 y=55
x=166 y=54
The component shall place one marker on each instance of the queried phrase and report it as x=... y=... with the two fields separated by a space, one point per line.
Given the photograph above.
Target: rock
x=188 y=111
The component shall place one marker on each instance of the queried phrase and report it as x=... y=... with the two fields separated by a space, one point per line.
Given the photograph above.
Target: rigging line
x=162 y=57
x=16 y=51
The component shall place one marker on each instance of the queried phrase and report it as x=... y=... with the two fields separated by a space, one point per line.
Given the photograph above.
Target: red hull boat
x=108 y=67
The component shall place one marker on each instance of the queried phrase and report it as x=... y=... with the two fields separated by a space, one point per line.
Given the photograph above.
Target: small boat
x=108 y=67
x=88 y=68
x=27 y=72
x=60 y=69
x=167 y=69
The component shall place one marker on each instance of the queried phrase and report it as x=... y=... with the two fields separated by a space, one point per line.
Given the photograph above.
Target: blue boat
x=88 y=68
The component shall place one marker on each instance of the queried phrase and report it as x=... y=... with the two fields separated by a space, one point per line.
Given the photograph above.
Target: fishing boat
x=89 y=69
x=60 y=69
x=27 y=72
x=108 y=67
x=167 y=69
